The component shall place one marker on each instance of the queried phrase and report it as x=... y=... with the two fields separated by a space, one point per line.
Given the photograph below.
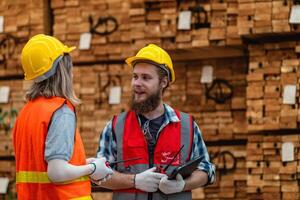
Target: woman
x=50 y=157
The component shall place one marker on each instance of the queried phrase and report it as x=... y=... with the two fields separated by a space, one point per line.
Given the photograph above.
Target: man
x=50 y=158
x=153 y=133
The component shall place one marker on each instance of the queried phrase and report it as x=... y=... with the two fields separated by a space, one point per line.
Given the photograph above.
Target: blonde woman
x=50 y=157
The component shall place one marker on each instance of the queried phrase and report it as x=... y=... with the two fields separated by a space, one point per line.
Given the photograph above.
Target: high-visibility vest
x=131 y=143
x=30 y=132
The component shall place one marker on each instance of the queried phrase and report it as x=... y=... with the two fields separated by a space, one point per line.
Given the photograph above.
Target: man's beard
x=147 y=105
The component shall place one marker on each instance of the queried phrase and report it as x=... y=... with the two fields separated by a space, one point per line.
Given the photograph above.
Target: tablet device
x=186 y=169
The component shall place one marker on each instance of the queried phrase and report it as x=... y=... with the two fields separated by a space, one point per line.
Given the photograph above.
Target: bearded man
x=153 y=132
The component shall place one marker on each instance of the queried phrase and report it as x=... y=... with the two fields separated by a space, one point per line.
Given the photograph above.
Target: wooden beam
x=207 y=53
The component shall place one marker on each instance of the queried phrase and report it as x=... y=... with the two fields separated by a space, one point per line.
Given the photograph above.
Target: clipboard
x=186 y=169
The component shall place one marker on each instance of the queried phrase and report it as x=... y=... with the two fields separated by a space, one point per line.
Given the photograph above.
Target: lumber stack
x=141 y=22
x=217 y=121
x=22 y=19
x=259 y=17
x=94 y=90
x=8 y=112
x=7 y=169
x=231 y=174
x=71 y=19
x=268 y=176
x=272 y=67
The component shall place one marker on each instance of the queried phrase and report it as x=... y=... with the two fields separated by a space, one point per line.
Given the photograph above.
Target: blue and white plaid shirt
x=108 y=146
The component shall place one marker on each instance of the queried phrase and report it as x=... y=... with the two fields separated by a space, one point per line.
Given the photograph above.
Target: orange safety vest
x=29 y=138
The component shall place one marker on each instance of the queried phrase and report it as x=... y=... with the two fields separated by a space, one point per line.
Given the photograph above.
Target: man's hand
x=148 y=180
x=101 y=171
x=171 y=186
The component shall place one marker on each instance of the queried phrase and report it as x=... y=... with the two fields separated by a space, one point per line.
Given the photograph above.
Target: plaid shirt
x=108 y=147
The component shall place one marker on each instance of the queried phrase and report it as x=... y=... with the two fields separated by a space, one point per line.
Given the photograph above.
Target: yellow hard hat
x=39 y=54
x=153 y=53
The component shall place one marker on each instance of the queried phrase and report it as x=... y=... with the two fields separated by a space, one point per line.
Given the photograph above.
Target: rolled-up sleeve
x=199 y=149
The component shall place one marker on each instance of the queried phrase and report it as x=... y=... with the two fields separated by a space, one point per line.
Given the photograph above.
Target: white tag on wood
x=3 y=185
x=289 y=94
x=287 y=152
x=85 y=41
x=295 y=15
x=207 y=74
x=115 y=95
x=1 y=24
x=184 y=21
x=4 y=94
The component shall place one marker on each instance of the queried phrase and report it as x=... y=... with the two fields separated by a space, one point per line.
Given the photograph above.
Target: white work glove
x=148 y=180
x=171 y=186
x=101 y=171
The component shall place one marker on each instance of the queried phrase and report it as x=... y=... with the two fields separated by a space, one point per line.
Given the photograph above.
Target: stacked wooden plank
x=71 y=19
x=268 y=177
x=141 y=22
x=94 y=90
x=8 y=112
x=217 y=121
x=257 y=17
x=22 y=19
x=231 y=174
x=102 y=195
x=271 y=68
x=7 y=169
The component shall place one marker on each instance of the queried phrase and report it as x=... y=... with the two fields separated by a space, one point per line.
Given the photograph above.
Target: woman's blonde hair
x=59 y=85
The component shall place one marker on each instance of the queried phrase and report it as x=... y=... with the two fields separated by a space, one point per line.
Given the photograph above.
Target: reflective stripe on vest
x=83 y=198
x=186 y=139
x=41 y=177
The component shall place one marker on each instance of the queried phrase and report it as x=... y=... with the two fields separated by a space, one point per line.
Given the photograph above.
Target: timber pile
x=22 y=19
x=94 y=89
x=231 y=174
x=139 y=23
x=217 y=121
x=268 y=176
x=71 y=19
x=271 y=68
x=8 y=113
x=257 y=17
x=7 y=169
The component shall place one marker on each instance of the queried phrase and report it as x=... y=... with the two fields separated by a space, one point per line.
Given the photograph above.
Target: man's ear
x=164 y=82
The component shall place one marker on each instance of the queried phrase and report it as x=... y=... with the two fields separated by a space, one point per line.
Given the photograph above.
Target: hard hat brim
x=69 y=49
x=131 y=60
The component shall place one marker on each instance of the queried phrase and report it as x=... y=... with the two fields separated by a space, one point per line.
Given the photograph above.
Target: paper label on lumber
x=289 y=94
x=287 y=152
x=1 y=24
x=115 y=95
x=295 y=15
x=85 y=41
x=184 y=21
x=207 y=74
x=3 y=185
x=4 y=94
